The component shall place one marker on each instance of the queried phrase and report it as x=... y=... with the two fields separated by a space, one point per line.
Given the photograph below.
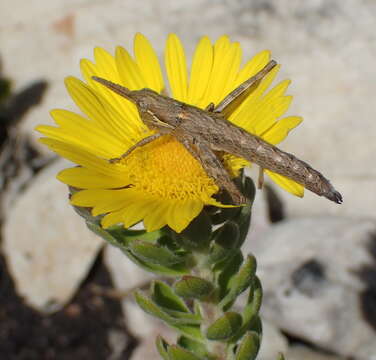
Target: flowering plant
x=162 y=185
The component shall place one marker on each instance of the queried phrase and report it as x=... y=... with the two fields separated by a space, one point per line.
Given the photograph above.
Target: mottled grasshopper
x=205 y=133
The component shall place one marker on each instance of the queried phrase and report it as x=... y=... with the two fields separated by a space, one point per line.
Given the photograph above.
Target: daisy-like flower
x=159 y=183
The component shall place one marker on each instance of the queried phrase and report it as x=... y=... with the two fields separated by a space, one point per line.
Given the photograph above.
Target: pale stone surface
x=126 y=275
x=273 y=342
x=302 y=352
x=318 y=284
x=146 y=328
x=118 y=342
x=48 y=248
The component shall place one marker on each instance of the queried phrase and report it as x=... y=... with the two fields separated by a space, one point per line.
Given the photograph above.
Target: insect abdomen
x=269 y=157
x=288 y=165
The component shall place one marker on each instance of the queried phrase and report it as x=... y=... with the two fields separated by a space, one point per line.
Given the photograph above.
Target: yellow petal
x=242 y=115
x=91 y=197
x=200 y=72
x=287 y=184
x=101 y=112
x=83 y=158
x=267 y=113
x=176 y=68
x=102 y=200
x=148 y=63
x=181 y=213
x=253 y=66
x=155 y=218
x=119 y=107
x=280 y=129
x=83 y=178
x=76 y=130
x=136 y=211
x=227 y=58
x=105 y=64
x=75 y=139
x=129 y=70
x=112 y=218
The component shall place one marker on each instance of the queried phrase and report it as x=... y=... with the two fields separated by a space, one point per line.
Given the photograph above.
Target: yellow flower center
x=164 y=168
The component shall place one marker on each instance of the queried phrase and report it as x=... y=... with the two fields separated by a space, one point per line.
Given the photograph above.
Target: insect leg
x=214 y=168
x=210 y=107
x=142 y=142
x=233 y=95
x=260 y=181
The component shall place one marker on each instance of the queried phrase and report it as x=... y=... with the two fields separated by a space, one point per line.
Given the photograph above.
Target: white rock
x=48 y=248
x=118 y=342
x=146 y=328
x=314 y=274
x=302 y=352
x=273 y=342
x=126 y=275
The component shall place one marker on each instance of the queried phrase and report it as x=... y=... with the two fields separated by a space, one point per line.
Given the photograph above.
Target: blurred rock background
x=60 y=294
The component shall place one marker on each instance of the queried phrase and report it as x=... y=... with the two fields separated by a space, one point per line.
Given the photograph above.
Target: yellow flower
x=159 y=183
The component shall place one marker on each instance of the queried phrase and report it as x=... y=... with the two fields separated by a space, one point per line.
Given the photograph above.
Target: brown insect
x=204 y=133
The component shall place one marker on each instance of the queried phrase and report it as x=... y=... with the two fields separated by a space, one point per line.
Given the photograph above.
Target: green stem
x=210 y=311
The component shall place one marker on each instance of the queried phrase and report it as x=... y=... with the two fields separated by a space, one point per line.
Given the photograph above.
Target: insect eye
x=179 y=118
x=142 y=104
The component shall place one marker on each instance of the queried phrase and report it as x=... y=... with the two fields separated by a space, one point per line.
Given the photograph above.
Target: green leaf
x=195 y=347
x=122 y=238
x=227 y=270
x=97 y=229
x=243 y=219
x=256 y=325
x=178 y=353
x=162 y=347
x=191 y=331
x=173 y=270
x=165 y=296
x=85 y=212
x=150 y=307
x=225 y=214
x=184 y=318
x=225 y=327
x=240 y=282
x=197 y=234
x=127 y=235
x=225 y=240
x=254 y=301
x=280 y=357
x=5 y=89
x=193 y=287
x=251 y=319
x=164 y=314
x=154 y=254
x=119 y=236
x=249 y=346
x=197 y=307
x=249 y=189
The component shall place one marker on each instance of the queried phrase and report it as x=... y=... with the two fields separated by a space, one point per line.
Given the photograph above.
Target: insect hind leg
x=214 y=169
